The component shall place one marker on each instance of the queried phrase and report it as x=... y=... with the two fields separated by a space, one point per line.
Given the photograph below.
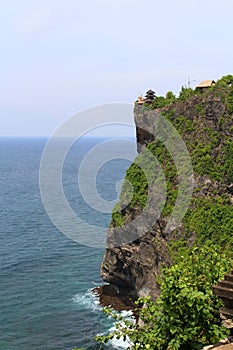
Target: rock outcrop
x=133 y=268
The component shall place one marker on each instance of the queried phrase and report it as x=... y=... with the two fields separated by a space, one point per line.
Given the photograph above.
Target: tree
x=185 y=93
x=170 y=97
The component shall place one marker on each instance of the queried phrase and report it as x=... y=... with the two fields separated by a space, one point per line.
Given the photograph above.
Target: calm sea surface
x=46 y=302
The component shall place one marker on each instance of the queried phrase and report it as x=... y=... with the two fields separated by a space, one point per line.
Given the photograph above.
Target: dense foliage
x=186 y=315
x=212 y=220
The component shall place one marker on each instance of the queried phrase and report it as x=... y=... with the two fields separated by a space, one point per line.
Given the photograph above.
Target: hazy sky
x=59 y=57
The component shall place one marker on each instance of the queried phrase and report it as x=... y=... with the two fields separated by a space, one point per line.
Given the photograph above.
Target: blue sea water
x=46 y=279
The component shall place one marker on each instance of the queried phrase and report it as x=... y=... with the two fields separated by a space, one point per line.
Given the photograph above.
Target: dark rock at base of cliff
x=133 y=267
x=116 y=299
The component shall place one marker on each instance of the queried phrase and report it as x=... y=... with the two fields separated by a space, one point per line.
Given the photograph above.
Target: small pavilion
x=204 y=85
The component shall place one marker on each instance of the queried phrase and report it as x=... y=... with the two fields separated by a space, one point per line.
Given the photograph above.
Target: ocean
x=46 y=279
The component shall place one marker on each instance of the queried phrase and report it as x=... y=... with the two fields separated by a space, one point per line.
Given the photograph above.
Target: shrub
x=225 y=81
x=212 y=220
x=186 y=93
x=159 y=102
x=186 y=315
x=170 y=97
x=230 y=101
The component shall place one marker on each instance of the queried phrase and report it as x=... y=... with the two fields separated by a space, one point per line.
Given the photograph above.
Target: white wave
x=120 y=343
x=88 y=300
x=95 y=283
x=128 y=314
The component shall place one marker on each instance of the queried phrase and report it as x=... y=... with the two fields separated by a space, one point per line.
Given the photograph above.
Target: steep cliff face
x=205 y=123
x=133 y=268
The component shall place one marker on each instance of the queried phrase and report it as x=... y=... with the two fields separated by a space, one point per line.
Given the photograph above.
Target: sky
x=61 y=57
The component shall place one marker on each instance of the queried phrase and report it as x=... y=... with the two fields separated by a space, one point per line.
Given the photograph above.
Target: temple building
x=150 y=96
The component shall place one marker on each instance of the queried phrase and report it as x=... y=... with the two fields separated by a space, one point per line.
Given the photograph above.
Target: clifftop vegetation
x=222 y=87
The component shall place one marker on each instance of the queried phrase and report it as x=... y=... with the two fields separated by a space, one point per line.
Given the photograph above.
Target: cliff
x=183 y=188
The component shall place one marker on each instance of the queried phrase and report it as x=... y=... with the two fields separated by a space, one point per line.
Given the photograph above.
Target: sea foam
x=89 y=300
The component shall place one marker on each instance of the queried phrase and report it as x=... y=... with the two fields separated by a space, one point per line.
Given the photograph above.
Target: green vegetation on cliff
x=185 y=316
x=205 y=123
